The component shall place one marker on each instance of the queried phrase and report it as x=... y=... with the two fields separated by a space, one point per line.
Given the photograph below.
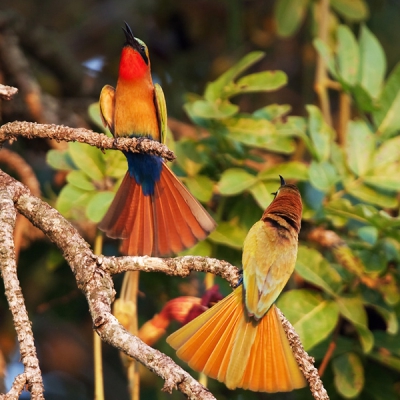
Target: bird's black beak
x=283 y=183
x=130 y=39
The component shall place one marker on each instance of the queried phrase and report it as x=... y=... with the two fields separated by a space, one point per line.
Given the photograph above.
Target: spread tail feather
x=227 y=345
x=166 y=222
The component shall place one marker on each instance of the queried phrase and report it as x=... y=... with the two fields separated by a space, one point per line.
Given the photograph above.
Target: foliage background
x=233 y=133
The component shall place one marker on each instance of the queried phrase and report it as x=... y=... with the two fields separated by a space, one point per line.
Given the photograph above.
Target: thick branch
x=12 y=130
x=96 y=283
x=14 y=295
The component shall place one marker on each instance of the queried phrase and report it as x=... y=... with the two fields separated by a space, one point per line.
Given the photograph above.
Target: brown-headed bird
x=240 y=341
x=152 y=211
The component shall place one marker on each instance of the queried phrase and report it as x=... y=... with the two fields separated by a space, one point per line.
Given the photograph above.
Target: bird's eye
x=142 y=48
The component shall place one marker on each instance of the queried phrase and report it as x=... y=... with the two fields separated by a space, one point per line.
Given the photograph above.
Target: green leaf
x=201 y=249
x=320 y=132
x=60 y=159
x=264 y=81
x=258 y=133
x=327 y=55
x=386 y=116
x=216 y=90
x=347 y=55
x=234 y=181
x=354 y=10
x=349 y=374
x=323 y=175
x=272 y=111
x=94 y=114
x=290 y=170
x=88 y=159
x=200 y=186
x=370 y=195
x=372 y=63
x=314 y=268
x=229 y=234
x=188 y=156
x=80 y=180
x=71 y=197
x=98 y=205
x=289 y=15
x=387 y=153
x=360 y=145
x=312 y=317
x=116 y=164
x=261 y=192
x=353 y=310
x=386 y=359
x=386 y=177
x=214 y=110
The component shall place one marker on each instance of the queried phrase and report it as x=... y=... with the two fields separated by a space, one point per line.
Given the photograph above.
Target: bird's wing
x=161 y=107
x=107 y=103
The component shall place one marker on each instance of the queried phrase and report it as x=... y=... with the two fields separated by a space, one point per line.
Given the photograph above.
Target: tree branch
x=12 y=130
x=95 y=282
x=14 y=295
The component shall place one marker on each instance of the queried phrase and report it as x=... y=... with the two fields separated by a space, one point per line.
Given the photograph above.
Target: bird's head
x=135 y=61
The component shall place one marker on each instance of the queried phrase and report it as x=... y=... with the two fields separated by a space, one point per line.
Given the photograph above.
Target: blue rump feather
x=146 y=169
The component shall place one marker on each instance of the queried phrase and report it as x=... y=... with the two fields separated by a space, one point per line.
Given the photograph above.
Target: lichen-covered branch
x=12 y=130
x=95 y=281
x=305 y=362
x=14 y=295
x=7 y=92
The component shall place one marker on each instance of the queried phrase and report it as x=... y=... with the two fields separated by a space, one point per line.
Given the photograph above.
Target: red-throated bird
x=152 y=211
x=240 y=341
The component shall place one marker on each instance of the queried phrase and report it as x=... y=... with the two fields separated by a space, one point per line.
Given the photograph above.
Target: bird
x=152 y=211
x=240 y=340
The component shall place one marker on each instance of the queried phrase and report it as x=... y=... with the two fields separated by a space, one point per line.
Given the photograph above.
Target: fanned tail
x=227 y=345
x=166 y=222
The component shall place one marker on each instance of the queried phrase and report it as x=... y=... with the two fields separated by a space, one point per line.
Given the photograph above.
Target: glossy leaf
x=349 y=374
x=320 y=132
x=234 y=181
x=372 y=62
x=229 y=234
x=323 y=175
x=80 y=180
x=372 y=196
x=314 y=268
x=327 y=55
x=289 y=14
x=290 y=170
x=88 y=159
x=70 y=197
x=258 y=133
x=214 y=110
x=312 y=317
x=272 y=111
x=217 y=89
x=353 y=310
x=202 y=249
x=347 y=55
x=116 y=164
x=98 y=205
x=189 y=157
x=387 y=153
x=360 y=145
x=261 y=192
x=354 y=10
x=200 y=186
x=60 y=159
x=260 y=82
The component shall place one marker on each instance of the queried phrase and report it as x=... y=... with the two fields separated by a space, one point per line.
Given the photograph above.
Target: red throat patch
x=132 y=65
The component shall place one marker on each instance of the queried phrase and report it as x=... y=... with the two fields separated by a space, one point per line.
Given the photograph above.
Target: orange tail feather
x=166 y=222
x=226 y=345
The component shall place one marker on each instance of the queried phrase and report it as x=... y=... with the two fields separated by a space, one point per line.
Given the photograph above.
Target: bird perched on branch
x=240 y=341
x=152 y=211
